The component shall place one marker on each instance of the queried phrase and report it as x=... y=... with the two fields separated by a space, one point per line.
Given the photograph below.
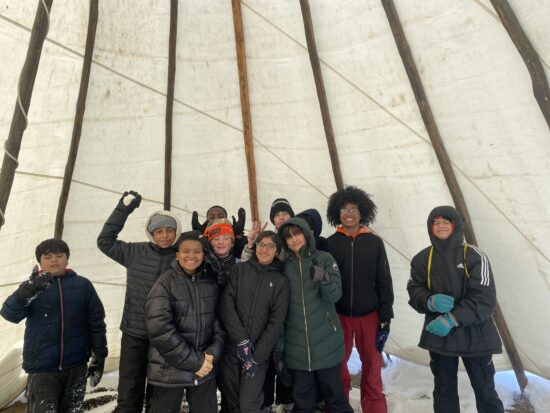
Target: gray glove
x=319 y=275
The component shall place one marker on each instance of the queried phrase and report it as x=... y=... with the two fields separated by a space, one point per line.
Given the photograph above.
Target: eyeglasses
x=269 y=247
x=353 y=211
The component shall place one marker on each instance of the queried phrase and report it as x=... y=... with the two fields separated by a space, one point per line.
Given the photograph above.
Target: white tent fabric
x=478 y=86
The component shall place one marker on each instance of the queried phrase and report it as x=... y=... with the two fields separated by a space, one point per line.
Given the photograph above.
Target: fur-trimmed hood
x=168 y=214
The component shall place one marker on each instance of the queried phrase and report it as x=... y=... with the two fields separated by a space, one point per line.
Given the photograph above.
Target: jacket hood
x=299 y=222
x=315 y=218
x=166 y=213
x=457 y=237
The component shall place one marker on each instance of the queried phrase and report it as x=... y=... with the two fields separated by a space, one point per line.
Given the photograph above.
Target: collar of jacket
x=68 y=273
x=362 y=230
x=276 y=265
x=180 y=271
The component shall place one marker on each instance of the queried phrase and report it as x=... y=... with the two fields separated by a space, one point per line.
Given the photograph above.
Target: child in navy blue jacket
x=65 y=325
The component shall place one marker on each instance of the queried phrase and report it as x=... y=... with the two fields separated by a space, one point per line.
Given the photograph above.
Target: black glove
x=244 y=350
x=382 y=335
x=319 y=275
x=196 y=225
x=36 y=283
x=238 y=226
x=128 y=202
x=95 y=369
x=282 y=371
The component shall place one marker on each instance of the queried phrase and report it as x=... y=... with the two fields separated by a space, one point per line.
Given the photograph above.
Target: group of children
x=211 y=308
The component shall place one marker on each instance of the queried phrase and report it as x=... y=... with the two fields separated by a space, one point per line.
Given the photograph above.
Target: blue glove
x=249 y=369
x=440 y=303
x=244 y=351
x=442 y=325
x=382 y=335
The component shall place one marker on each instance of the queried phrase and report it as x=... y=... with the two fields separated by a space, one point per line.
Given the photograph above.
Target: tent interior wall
x=476 y=81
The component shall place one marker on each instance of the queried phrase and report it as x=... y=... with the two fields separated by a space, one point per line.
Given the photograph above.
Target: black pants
x=241 y=394
x=201 y=398
x=56 y=391
x=481 y=372
x=274 y=390
x=133 y=374
x=306 y=385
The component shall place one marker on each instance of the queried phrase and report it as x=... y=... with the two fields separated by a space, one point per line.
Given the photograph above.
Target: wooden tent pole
x=528 y=53
x=446 y=167
x=24 y=93
x=78 y=120
x=321 y=93
x=245 y=108
x=170 y=104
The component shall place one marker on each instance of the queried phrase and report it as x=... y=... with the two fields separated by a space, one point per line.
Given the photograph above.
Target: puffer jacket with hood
x=315 y=222
x=313 y=338
x=462 y=271
x=144 y=262
x=182 y=326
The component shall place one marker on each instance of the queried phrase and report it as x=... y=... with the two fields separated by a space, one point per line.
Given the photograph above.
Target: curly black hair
x=351 y=195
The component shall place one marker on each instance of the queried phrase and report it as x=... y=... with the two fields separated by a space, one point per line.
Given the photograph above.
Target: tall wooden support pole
x=245 y=108
x=78 y=120
x=170 y=103
x=19 y=121
x=528 y=53
x=446 y=167
x=321 y=93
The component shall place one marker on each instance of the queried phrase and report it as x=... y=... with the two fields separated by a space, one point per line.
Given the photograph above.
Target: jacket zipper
x=196 y=381
x=331 y=321
x=305 y=316
x=62 y=323
x=351 y=281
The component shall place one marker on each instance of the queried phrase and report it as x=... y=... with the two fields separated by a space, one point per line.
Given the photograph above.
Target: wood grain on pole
x=245 y=108
x=446 y=167
x=78 y=120
x=26 y=82
x=321 y=93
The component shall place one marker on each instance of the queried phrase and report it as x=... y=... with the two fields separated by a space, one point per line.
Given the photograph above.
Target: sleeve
x=246 y=254
x=384 y=285
x=417 y=286
x=108 y=243
x=332 y=291
x=163 y=334
x=14 y=309
x=275 y=325
x=96 y=322
x=479 y=301
x=217 y=343
x=228 y=310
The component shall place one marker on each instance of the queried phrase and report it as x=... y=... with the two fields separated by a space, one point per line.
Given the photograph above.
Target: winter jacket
x=462 y=271
x=144 y=262
x=315 y=222
x=366 y=279
x=64 y=324
x=182 y=326
x=254 y=306
x=313 y=338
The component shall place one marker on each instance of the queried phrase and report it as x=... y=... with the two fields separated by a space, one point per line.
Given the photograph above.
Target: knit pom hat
x=280 y=204
x=219 y=227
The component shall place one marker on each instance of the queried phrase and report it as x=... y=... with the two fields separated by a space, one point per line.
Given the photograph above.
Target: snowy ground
x=408 y=388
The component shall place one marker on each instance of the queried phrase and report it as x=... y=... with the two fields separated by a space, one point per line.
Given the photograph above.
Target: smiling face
x=222 y=245
x=442 y=228
x=350 y=217
x=190 y=255
x=54 y=262
x=280 y=218
x=164 y=237
x=266 y=249
x=295 y=238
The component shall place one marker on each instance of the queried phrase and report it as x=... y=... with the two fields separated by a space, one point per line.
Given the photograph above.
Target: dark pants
x=133 y=374
x=201 y=398
x=481 y=372
x=56 y=391
x=274 y=390
x=242 y=395
x=326 y=382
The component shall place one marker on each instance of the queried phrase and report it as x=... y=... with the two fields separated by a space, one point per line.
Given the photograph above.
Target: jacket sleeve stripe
x=485 y=279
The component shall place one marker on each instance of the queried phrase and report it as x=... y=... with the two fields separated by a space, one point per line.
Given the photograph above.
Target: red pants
x=364 y=329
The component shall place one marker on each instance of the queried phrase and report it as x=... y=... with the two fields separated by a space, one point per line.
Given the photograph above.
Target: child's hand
x=257 y=228
x=206 y=366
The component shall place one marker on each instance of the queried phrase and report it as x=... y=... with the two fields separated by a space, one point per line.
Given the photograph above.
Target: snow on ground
x=408 y=388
